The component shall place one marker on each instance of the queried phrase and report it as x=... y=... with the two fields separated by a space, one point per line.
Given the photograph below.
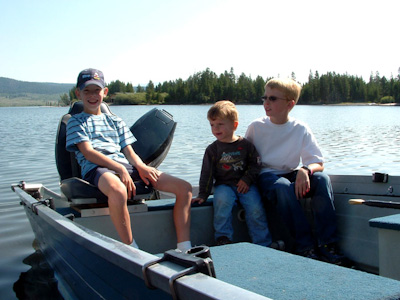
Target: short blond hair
x=223 y=109
x=288 y=86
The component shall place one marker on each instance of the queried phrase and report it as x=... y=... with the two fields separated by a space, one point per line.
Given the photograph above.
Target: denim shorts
x=94 y=174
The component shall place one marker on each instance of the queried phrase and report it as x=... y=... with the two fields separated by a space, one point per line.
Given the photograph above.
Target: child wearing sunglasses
x=283 y=143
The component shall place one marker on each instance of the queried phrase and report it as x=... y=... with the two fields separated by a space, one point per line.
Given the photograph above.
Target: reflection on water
x=38 y=282
x=354 y=140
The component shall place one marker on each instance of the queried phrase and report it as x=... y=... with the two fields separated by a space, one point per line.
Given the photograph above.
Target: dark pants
x=280 y=191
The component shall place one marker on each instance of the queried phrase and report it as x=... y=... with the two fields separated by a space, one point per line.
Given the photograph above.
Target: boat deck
x=280 y=275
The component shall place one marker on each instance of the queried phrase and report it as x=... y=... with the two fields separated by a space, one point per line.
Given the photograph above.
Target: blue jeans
x=225 y=197
x=280 y=190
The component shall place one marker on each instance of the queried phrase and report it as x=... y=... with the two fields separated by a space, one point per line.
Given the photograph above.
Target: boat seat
x=388 y=241
x=154 y=133
x=280 y=275
x=79 y=191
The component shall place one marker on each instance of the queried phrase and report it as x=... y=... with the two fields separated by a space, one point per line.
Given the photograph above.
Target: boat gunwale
x=129 y=259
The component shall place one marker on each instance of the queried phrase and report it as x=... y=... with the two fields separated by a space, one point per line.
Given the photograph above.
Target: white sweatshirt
x=283 y=147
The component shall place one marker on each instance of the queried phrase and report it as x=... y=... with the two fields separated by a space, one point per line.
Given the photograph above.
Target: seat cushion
x=77 y=188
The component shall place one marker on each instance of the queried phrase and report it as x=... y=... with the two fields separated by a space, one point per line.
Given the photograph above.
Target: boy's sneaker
x=223 y=240
x=310 y=253
x=331 y=254
x=278 y=245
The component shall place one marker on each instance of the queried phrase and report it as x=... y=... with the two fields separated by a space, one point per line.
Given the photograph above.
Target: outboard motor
x=154 y=132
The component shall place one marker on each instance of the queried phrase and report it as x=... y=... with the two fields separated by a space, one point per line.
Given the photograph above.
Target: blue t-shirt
x=108 y=134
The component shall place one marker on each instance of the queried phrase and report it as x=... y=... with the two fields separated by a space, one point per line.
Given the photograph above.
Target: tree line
x=207 y=87
x=334 y=88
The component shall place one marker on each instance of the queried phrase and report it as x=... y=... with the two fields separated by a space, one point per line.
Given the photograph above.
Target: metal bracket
x=70 y=216
x=197 y=259
x=380 y=177
x=390 y=191
x=31 y=189
x=46 y=202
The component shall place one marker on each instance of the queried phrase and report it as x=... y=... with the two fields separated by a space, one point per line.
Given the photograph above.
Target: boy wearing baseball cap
x=102 y=145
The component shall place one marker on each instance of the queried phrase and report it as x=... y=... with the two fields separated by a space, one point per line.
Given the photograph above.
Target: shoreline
x=362 y=104
x=322 y=104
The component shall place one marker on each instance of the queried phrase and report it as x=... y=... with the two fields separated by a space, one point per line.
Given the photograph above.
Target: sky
x=160 y=40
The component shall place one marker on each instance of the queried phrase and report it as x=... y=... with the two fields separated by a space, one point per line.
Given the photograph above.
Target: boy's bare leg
x=183 y=193
x=115 y=190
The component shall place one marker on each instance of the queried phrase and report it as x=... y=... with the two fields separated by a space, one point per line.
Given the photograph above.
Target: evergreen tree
x=150 y=91
x=129 y=88
x=72 y=95
x=64 y=100
x=259 y=89
x=116 y=87
x=139 y=89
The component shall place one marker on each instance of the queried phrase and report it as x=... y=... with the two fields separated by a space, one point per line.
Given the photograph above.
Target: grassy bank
x=29 y=100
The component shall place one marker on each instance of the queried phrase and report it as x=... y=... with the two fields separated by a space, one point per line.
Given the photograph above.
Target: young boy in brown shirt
x=231 y=166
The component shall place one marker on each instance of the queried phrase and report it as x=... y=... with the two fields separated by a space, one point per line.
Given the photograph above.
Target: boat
x=74 y=232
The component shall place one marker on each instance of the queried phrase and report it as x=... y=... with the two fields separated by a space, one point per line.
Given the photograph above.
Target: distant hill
x=11 y=87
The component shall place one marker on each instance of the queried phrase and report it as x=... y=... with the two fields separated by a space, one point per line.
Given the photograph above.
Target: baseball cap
x=90 y=76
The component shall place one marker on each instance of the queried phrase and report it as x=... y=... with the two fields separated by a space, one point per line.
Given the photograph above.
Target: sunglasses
x=271 y=98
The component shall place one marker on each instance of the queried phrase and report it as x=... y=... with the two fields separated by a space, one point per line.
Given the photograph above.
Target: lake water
x=354 y=140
